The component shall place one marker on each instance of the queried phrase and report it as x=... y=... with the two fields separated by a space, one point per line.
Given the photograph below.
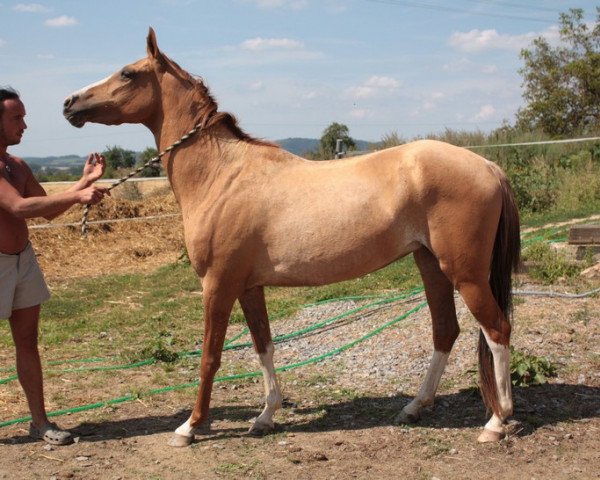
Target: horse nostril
x=70 y=101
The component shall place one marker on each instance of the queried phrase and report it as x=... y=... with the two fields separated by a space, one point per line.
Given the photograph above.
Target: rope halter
x=152 y=161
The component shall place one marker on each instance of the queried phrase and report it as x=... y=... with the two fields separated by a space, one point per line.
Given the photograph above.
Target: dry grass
x=123 y=247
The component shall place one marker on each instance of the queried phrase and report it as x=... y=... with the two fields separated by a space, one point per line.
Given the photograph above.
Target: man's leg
x=24 y=326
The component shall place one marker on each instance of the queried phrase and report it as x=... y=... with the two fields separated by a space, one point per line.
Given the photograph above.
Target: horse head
x=130 y=95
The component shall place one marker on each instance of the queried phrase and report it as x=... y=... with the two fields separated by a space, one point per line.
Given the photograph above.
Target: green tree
x=155 y=169
x=562 y=83
x=117 y=157
x=329 y=138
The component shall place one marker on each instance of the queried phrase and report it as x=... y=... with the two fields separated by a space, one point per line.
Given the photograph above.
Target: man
x=22 y=285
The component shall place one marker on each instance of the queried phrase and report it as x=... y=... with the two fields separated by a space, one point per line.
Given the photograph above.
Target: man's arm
x=53 y=207
x=48 y=206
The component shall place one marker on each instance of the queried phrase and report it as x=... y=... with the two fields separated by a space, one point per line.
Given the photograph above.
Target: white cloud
x=431 y=102
x=485 y=112
x=30 y=8
x=309 y=95
x=62 y=21
x=490 y=69
x=477 y=40
x=466 y=65
x=359 y=114
x=258 y=43
x=374 y=86
x=256 y=86
x=293 y=4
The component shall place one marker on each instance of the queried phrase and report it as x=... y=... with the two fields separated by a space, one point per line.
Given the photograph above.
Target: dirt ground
x=338 y=418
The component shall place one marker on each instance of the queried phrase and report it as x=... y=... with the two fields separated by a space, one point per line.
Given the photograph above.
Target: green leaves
x=562 y=83
x=526 y=369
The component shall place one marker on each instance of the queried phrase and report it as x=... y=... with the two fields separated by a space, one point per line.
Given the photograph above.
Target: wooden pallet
x=584 y=235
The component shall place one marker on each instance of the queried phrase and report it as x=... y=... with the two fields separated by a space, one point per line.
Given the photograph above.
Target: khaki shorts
x=22 y=283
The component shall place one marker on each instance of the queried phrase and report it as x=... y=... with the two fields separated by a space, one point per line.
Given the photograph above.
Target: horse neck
x=205 y=161
x=178 y=116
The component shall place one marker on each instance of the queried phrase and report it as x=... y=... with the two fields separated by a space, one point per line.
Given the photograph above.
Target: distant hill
x=296 y=145
x=299 y=146
x=62 y=162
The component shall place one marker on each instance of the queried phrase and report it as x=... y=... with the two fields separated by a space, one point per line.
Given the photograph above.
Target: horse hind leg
x=255 y=310
x=440 y=297
x=494 y=356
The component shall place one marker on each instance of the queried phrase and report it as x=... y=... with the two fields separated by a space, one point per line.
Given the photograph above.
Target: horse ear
x=151 y=45
x=153 y=51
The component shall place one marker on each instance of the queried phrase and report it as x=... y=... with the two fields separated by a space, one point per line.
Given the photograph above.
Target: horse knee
x=210 y=366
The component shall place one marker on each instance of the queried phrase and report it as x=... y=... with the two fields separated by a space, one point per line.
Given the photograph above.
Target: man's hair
x=7 y=93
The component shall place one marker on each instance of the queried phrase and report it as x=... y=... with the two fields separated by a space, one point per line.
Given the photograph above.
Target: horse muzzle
x=72 y=113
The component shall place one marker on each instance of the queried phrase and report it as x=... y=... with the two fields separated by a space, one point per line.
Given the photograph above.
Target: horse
x=255 y=215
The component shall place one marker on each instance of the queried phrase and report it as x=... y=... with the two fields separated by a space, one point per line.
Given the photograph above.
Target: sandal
x=51 y=434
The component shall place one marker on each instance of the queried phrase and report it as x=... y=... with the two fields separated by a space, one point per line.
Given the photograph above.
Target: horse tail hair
x=506 y=258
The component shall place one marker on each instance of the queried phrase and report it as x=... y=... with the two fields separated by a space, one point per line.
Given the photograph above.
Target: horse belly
x=324 y=256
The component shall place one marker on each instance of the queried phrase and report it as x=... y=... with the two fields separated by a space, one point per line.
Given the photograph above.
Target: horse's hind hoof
x=260 y=429
x=407 y=418
x=179 y=441
x=488 y=436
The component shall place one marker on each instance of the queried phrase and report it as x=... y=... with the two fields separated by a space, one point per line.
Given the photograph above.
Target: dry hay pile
x=123 y=246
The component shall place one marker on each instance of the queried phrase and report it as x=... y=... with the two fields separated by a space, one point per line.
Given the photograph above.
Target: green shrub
x=526 y=369
x=549 y=264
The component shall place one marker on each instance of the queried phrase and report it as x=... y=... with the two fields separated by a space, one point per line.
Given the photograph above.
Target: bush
x=534 y=181
x=549 y=264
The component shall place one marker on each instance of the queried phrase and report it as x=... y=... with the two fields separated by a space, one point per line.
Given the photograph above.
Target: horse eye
x=127 y=74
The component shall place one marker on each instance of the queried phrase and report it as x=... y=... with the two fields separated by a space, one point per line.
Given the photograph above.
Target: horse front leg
x=217 y=308
x=255 y=310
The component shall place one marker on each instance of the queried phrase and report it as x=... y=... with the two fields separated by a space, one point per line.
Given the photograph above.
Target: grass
x=161 y=313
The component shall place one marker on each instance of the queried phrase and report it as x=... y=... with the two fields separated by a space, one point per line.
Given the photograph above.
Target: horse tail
x=506 y=257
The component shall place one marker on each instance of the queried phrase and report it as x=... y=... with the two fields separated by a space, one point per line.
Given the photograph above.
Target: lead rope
x=153 y=160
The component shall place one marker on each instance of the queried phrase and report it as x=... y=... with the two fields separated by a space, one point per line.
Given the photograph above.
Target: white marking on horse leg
x=273 y=397
x=501 y=355
x=185 y=429
x=183 y=436
x=493 y=431
x=412 y=412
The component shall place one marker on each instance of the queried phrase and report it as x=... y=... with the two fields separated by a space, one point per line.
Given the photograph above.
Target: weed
x=160 y=349
x=526 y=369
x=582 y=315
x=549 y=264
x=436 y=447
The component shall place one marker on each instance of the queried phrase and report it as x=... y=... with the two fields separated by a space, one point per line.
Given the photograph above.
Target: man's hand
x=94 y=168
x=92 y=195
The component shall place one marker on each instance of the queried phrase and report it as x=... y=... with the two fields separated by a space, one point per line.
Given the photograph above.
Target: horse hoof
x=179 y=441
x=405 y=417
x=260 y=429
x=488 y=436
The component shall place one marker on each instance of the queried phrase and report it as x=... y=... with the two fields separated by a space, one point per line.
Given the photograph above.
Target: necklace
x=6 y=165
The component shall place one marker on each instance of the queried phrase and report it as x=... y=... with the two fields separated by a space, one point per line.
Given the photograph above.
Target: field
x=120 y=339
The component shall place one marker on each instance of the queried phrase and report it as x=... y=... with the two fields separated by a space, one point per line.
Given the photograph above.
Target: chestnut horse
x=255 y=215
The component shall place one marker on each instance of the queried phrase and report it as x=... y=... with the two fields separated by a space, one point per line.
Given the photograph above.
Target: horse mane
x=209 y=109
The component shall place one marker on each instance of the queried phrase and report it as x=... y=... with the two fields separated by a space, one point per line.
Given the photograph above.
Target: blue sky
x=285 y=68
